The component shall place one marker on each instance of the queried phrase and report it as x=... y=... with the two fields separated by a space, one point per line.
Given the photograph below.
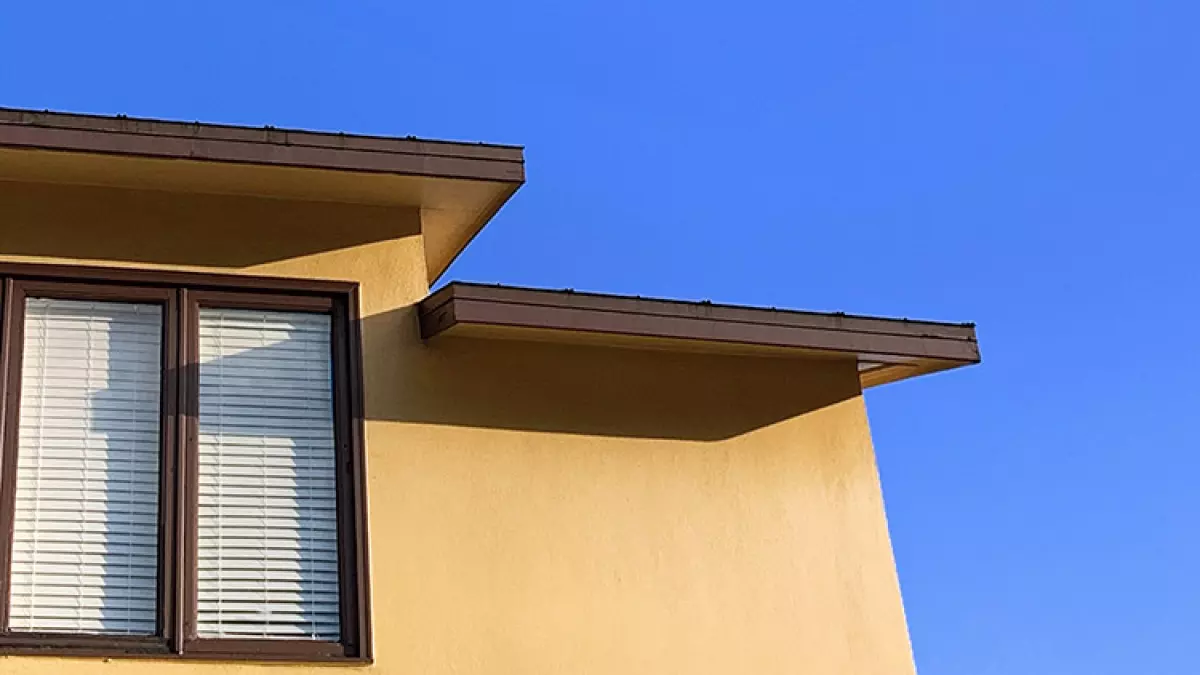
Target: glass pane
x=268 y=563
x=85 y=538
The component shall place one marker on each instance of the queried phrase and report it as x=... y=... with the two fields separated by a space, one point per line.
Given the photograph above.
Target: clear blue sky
x=1032 y=166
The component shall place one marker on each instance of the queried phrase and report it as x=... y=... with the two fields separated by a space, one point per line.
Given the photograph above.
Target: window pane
x=85 y=539
x=268 y=565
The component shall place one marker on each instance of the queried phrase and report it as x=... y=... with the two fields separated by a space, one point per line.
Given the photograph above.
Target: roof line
x=703 y=303
x=885 y=349
x=49 y=118
x=129 y=137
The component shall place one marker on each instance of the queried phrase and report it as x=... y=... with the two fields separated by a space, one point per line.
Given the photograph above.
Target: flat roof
x=885 y=349
x=459 y=185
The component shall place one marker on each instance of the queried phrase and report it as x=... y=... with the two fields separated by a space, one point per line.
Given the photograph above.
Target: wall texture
x=547 y=509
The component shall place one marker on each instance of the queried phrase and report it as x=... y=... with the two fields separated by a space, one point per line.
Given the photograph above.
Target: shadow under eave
x=590 y=390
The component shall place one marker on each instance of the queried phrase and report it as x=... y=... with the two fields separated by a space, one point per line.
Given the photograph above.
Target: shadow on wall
x=147 y=226
x=577 y=389
x=459 y=382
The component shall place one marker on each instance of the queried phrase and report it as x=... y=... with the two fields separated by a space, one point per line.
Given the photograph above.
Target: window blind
x=85 y=541
x=267 y=544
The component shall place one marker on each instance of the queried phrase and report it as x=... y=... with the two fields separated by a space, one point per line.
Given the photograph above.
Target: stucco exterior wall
x=538 y=508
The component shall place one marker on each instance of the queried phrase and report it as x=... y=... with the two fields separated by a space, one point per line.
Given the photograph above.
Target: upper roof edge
x=964 y=330
x=84 y=129
x=887 y=349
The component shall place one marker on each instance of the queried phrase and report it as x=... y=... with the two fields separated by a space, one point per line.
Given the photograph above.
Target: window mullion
x=189 y=395
x=172 y=509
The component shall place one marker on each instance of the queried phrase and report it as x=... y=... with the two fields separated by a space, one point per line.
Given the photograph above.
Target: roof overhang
x=457 y=186
x=885 y=350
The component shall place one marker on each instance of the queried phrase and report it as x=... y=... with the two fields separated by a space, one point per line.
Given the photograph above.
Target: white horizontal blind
x=85 y=542
x=267 y=549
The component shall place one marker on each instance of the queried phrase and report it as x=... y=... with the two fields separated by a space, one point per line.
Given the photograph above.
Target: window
x=180 y=466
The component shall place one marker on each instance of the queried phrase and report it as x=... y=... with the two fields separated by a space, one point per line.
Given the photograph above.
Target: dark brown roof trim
x=889 y=349
x=267 y=145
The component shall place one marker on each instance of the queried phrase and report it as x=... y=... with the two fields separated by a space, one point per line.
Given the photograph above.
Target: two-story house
x=238 y=432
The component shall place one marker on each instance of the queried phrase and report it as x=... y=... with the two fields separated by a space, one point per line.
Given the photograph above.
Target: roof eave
x=429 y=175
x=886 y=350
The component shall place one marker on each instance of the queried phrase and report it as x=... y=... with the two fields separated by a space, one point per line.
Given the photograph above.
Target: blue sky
x=1031 y=166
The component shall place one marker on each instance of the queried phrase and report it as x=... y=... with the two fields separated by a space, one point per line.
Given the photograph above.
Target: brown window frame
x=181 y=295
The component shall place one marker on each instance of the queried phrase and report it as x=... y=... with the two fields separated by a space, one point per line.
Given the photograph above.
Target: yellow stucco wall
x=548 y=509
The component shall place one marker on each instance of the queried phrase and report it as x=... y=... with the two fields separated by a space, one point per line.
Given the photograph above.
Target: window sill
x=104 y=647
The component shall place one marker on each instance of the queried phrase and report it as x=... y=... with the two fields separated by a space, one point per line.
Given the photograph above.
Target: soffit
x=457 y=186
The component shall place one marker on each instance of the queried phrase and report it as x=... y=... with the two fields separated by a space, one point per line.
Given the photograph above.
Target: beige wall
x=548 y=509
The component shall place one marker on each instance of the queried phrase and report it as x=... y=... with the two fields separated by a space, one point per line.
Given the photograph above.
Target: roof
x=458 y=186
x=884 y=349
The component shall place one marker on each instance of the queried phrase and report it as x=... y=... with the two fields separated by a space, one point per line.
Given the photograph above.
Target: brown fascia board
x=890 y=349
x=136 y=137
